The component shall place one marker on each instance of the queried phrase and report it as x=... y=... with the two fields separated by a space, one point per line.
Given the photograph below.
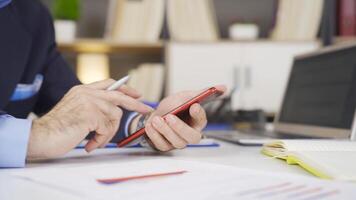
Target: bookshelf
x=123 y=57
x=110 y=47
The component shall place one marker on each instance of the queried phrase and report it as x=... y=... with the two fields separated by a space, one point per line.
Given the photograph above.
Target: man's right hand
x=84 y=109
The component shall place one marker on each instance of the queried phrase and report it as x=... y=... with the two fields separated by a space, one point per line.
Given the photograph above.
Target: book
x=148 y=80
x=328 y=159
x=191 y=20
x=110 y=18
x=347 y=17
x=328 y=23
x=298 y=20
x=135 y=21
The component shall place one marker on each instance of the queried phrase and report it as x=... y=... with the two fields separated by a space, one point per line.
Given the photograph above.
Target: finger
x=103 y=131
x=162 y=127
x=198 y=117
x=114 y=115
x=157 y=139
x=111 y=116
x=112 y=134
x=110 y=111
x=129 y=91
x=101 y=85
x=189 y=134
x=122 y=100
x=221 y=88
x=94 y=143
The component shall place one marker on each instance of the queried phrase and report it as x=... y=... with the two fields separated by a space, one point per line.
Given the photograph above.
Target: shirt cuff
x=14 y=137
x=128 y=123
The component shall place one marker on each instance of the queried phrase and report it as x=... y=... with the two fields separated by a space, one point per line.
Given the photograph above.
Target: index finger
x=129 y=91
x=122 y=100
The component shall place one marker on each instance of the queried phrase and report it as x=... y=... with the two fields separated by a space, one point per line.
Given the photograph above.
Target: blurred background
x=172 y=45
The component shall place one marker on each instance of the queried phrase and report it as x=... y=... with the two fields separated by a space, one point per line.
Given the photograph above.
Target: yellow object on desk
x=328 y=159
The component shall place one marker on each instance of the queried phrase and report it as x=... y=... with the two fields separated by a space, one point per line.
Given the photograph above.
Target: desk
x=227 y=154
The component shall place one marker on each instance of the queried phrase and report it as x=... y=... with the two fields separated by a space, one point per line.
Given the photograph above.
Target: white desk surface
x=227 y=154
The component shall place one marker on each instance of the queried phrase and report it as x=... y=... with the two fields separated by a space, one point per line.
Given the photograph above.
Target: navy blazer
x=28 y=48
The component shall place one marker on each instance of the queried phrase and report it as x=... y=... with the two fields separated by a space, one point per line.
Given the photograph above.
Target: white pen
x=118 y=83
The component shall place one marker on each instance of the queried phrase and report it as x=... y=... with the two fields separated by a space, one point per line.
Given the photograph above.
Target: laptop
x=319 y=101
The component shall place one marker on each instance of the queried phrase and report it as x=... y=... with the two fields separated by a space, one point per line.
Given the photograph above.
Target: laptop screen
x=322 y=90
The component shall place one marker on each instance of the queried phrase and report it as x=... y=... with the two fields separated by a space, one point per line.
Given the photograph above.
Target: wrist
x=44 y=140
x=139 y=122
x=36 y=146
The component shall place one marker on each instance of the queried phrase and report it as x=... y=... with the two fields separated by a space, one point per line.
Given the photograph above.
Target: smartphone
x=181 y=111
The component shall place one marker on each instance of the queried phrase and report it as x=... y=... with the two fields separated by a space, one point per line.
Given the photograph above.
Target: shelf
x=157 y=48
x=345 y=39
x=110 y=47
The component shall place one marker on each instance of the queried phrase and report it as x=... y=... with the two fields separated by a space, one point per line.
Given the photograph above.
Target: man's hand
x=84 y=109
x=172 y=132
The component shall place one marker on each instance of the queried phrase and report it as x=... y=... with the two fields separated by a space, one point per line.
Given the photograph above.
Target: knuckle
x=73 y=90
x=107 y=81
x=87 y=105
x=178 y=126
x=159 y=126
x=151 y=134
x=119 y=112
x=77 y=88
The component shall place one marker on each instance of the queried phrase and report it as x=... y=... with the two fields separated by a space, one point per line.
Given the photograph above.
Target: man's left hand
x=172 y=132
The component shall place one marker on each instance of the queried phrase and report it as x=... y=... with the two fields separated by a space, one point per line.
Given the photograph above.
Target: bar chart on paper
x=199 y=181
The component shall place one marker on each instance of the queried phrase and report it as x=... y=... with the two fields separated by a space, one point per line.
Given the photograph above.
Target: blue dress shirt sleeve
x=14 y=136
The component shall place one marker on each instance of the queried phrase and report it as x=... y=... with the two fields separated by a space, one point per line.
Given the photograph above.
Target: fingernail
x=171 y=119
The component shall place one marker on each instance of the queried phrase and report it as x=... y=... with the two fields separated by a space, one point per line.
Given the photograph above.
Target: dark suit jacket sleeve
x=58 y=76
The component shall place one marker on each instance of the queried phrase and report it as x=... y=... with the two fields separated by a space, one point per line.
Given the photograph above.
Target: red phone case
x=178 y=111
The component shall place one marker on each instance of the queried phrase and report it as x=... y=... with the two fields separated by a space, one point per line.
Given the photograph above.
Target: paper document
x=201 y=181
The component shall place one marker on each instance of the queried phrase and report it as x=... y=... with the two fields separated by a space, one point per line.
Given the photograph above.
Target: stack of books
x=148 y=79
x=142 y=21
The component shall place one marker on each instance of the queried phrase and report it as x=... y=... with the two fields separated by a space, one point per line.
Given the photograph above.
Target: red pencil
x=122 y=179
